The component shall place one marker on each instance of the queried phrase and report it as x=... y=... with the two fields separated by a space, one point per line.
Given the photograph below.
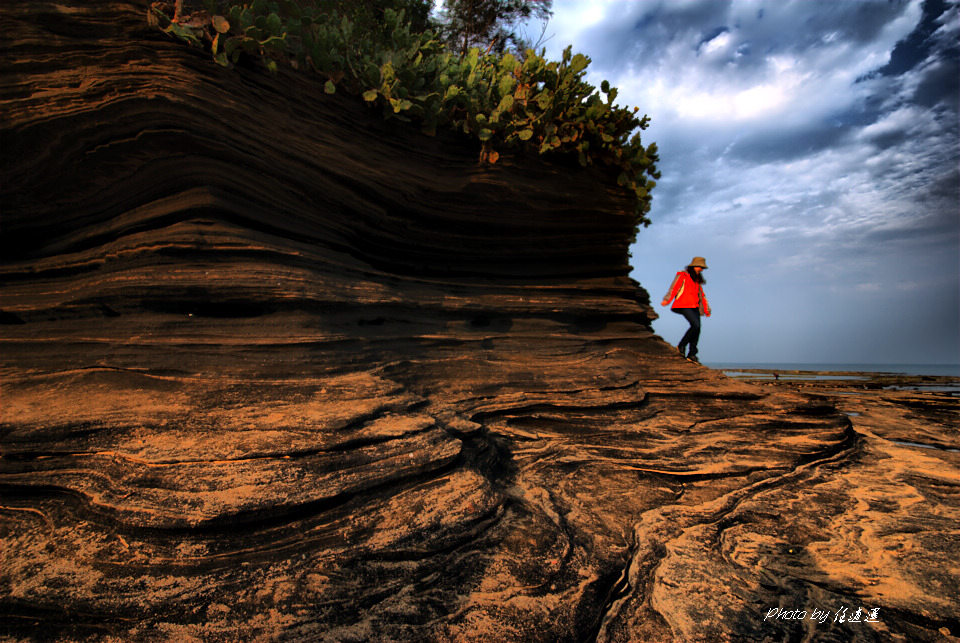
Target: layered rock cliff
x=273 y=368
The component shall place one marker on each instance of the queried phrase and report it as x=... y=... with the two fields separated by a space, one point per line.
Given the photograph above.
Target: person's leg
x=682 y=347
x=692 y=336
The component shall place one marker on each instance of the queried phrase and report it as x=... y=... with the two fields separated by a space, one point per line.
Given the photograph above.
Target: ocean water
x=948 y=370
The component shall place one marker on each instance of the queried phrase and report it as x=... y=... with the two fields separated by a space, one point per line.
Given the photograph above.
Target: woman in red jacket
x=689 y=300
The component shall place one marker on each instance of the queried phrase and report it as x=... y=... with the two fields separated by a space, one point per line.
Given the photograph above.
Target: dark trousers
x=692 y=336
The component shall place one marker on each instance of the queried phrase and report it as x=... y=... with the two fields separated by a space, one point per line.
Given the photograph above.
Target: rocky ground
x=273 y=370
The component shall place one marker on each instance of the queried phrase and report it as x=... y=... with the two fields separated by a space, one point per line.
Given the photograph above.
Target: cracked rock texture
x=274 y=369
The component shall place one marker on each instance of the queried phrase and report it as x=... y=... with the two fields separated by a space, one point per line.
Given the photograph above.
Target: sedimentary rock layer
x=273 y=368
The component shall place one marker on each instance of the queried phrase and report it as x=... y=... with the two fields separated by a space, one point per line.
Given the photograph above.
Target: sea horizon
x=948 y=370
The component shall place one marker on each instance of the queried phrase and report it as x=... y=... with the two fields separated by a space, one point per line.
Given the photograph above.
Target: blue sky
x=810 y=152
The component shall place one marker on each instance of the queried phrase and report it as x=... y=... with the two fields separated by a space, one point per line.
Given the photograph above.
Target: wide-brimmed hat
x=697 y=261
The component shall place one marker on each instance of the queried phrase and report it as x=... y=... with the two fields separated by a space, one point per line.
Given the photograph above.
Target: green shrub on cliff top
x=502 y=101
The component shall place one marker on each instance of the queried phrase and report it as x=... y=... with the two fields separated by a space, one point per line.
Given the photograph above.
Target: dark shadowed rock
x=275 y=369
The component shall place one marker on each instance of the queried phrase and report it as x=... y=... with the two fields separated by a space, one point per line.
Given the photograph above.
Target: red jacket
x=686 y=293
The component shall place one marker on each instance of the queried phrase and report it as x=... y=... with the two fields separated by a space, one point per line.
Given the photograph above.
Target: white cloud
x=896 y=123
x=571 y=18
x=716 y=46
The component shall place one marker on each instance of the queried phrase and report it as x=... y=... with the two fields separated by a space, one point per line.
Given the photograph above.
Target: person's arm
x=672 y=291
x=706 y=304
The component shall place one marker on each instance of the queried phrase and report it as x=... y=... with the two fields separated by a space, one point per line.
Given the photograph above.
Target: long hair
x=696 y=276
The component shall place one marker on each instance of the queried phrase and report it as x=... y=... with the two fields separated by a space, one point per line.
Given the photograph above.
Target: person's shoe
x=682 y=350
x=693 y=358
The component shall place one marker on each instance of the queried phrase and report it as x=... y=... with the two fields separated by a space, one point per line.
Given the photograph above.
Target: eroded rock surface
x=275 y=369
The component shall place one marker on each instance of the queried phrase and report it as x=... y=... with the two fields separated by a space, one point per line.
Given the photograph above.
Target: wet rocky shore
x=928 y=406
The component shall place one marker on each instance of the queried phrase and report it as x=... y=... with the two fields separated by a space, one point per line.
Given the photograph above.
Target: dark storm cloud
x=928 y=59
x=767 y=146
x=639 y=31
x=917 y=46
x=857 y=22
x=643 y=31
x=940 y=82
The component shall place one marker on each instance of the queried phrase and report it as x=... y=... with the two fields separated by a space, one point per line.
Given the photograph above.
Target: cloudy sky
x=809 y=151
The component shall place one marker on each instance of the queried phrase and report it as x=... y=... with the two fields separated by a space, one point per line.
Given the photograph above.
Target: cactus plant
x=503 y=102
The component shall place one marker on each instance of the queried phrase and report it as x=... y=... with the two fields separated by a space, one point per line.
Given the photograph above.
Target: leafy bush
x=504 y=102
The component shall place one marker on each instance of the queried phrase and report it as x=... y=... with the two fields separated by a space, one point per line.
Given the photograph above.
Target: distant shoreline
x=933 y=370
x=844 y=380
